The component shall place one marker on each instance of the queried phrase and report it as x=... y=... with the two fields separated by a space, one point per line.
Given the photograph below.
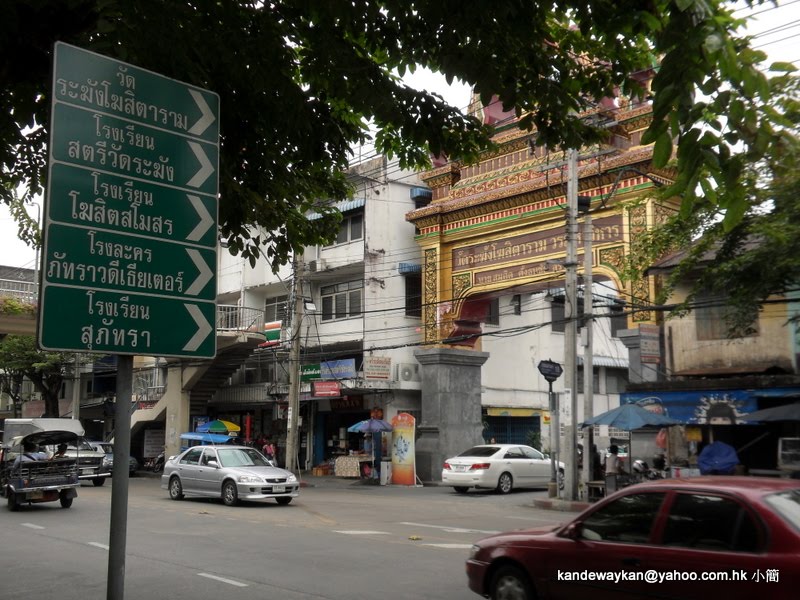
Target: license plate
x=86 y=471
x=459 y=468
x=278 y=489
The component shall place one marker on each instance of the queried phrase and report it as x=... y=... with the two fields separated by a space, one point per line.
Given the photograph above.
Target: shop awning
x=508 y=411
x=343 y=206
x=607 y=361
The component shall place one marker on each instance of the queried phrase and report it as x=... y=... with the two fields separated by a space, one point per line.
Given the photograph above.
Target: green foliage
x=20 y=358
x=10 y=305
x=299 y=81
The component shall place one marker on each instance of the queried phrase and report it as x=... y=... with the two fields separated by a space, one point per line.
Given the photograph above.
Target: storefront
x=513 y=425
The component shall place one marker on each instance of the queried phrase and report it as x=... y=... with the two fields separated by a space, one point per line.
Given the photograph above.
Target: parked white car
x=499 y=466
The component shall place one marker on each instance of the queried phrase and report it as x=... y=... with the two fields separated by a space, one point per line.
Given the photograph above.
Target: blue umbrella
x=629 y=417
x=370 y=426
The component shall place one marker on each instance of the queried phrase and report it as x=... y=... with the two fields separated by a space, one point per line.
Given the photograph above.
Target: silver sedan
x=232 y=473
x=499 y=466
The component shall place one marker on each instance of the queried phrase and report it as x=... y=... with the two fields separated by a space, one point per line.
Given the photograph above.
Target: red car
x=702 y=537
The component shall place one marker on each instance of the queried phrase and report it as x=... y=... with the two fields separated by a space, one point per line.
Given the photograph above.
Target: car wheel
x=461 y=489
x=175 y=489
x=230 y=495
x=511 y=583
x=283 y=501
x=561 y=479
x=12 y=501
x=66 y=501
x=505 y=483
x=98 y=481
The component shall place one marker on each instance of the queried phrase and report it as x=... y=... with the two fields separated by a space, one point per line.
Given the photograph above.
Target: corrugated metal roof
x=343 y=206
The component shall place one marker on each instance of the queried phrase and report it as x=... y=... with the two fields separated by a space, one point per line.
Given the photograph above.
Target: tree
x=301 y=80
x=47 y=371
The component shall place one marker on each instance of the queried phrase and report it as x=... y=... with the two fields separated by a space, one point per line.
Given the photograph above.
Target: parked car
x=232 y=473
x=108 y=449
x=499 y=466
x=733 y=537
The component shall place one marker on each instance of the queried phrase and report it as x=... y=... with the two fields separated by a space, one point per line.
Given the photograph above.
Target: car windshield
x=241 y=457
x=787 y=505
x=480 y=451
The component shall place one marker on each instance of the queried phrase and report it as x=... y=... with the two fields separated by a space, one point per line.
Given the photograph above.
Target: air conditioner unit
x=317 y=265
x=408 y=372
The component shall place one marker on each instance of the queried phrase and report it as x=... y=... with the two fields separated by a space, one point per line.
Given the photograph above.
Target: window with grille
x=413 y=295
x=342 y=300
x=275 y=309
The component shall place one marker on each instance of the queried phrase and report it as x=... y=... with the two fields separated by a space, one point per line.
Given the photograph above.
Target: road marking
x=449 y=529
x=456 y=546
x=361 y=532
x=98 y=545
x=32 y=526
x=223 y=579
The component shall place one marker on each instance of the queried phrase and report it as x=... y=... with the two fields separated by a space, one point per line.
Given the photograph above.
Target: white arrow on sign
x=208 y=116
x=205 y=273
x=203 y=328
x=206 y=168
x=206 y=220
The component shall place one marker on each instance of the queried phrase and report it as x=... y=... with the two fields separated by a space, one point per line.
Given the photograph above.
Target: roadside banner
x=404 y=468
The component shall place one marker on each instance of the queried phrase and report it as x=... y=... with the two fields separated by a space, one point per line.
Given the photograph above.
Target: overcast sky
x=778 y=31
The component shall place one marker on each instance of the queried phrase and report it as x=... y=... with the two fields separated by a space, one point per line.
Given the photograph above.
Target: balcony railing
x=239 y=318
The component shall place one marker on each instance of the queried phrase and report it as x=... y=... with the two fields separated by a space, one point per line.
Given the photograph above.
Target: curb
x=560 y=505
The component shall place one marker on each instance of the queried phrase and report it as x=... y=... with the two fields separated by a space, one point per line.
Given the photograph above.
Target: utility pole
x=293 y=414
x=588 y=350
x=571 y=329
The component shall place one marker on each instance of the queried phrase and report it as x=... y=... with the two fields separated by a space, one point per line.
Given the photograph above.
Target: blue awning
x=343 y=207
x=407 y=268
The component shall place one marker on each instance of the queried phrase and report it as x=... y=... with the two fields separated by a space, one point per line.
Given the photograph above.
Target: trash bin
x=386 y=472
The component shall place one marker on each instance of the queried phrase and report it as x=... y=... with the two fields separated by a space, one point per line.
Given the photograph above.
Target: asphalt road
x=336 y=541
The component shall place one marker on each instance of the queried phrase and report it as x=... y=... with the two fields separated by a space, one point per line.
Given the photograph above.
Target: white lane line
x=32 y=526
x=449 y=529
x=98 y=545
x=223 y=580
x=361 y=532
x=456 y=546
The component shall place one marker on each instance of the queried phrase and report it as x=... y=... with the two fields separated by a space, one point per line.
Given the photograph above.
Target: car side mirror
x=213 y=463
x=574 y=531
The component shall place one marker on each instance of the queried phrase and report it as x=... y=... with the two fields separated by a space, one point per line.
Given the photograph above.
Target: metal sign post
x=551 y=371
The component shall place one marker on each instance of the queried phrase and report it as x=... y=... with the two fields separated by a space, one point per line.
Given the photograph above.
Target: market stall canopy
x=208 y=438
x=218 y=426
x=787 y=412
x=370 y=426
x=629 y=417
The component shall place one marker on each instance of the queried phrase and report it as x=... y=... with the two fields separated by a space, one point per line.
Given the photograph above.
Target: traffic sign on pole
x=130 y=227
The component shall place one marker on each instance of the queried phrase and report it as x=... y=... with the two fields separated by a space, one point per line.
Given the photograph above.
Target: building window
x=558 y=319
x=595 y=379
x=275 y=309
x=350 y=229
x=712 y=319
x=342 y=300
x=516 y=303
x=618 y=318
x=493 y=316
x=413 y=295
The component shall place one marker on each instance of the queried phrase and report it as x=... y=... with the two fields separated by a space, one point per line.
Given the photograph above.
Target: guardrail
x=231 y=317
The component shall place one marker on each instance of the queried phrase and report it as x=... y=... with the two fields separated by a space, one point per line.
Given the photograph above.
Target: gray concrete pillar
x=638 y=372
x=451 y=407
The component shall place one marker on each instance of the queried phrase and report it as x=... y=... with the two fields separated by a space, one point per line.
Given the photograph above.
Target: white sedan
x=499 y=466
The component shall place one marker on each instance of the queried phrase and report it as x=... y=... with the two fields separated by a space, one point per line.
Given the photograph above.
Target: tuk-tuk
x=38 y=480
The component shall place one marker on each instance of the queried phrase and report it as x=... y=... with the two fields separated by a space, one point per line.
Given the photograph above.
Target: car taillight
x=447 y=467
x=479 y=466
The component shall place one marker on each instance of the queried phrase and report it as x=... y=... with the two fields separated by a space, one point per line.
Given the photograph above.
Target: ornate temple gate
x=500 y=225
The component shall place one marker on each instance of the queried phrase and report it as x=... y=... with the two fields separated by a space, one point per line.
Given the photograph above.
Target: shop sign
x=325 y=389
x=346 y=403
x=309 y=372
x=338 y=369
x=378 y=367
x=650 y=343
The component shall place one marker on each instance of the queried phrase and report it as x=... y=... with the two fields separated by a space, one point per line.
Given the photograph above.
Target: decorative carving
x=613 y=257
x=461 y=283
x=431 y=295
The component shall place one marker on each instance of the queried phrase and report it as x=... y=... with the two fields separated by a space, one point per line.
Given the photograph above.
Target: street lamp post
x=551 y=371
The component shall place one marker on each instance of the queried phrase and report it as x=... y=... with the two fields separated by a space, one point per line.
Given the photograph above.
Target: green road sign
x=130 y=228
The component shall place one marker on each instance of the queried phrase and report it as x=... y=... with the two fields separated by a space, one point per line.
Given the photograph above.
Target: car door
x=519 y=465
x=188 y=468
x=209 y=472
x=711 y=535
x=540 y=466
x=608 y=551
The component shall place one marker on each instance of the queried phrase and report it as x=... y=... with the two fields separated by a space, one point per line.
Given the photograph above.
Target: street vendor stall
x=350 y=466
